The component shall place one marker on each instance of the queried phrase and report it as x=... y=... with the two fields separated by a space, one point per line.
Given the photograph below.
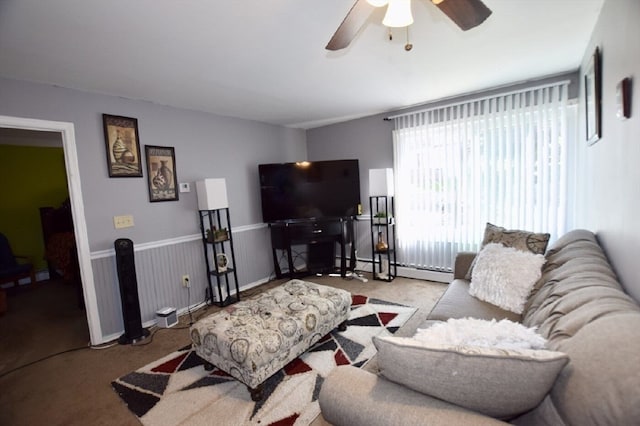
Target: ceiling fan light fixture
x=398 y=14
x=378 y=3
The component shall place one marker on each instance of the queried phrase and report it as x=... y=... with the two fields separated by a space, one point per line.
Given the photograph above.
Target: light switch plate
x=185 y=187
x=125 y=221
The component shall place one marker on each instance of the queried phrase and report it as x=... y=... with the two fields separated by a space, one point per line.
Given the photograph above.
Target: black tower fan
x=125 y=262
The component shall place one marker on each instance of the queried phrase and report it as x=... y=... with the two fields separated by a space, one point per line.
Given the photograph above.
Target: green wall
x=33 y=177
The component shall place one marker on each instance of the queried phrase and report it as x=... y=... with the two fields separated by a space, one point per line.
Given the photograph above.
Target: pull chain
x=408 y=46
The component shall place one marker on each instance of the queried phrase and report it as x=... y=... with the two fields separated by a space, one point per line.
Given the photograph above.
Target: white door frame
x=67 y=131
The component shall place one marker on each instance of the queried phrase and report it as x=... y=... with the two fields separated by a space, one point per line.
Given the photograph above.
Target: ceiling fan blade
x=465 y=13
x=350 y=26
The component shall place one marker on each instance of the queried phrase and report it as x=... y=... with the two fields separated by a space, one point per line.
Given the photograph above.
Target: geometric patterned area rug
x=177 y=390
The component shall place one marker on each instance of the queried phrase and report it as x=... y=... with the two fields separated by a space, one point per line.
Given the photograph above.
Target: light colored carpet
x=75 y=388
x=178 y=390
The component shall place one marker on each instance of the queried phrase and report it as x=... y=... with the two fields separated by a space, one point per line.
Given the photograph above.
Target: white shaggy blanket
x=502 y=334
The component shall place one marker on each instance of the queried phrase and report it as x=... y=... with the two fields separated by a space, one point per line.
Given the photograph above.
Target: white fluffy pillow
x=502 y=334
x=504 y=276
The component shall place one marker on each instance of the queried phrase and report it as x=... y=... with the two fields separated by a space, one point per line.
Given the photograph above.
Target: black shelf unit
x=383 y=227
x=220 y=289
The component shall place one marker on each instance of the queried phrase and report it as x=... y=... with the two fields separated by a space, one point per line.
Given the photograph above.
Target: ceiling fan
x=466 y=14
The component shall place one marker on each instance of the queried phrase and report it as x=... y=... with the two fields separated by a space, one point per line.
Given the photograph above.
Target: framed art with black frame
x=123 y=146
x=161 y=173
x=593 y=98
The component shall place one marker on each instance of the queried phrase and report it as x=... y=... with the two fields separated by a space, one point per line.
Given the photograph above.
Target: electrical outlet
x=185 y=281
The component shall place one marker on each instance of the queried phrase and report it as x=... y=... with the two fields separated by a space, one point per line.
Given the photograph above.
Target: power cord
x=101 y=347
x=148 y=340
x=145 y=342
x=6 y=373
x=189 y=302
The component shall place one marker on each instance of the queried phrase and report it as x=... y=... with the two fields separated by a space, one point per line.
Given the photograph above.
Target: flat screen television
x=309 y=190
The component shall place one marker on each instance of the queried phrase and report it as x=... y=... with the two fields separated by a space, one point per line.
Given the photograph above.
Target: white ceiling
x=265 y=59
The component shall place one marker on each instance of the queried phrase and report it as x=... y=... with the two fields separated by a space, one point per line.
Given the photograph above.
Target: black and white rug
x=177 y=390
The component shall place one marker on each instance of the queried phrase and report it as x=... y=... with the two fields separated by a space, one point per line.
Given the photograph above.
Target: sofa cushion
x=353 y=397
x=601 y=384
x=456 y=302
x=570 y=238
x=497 y=382
x=520 y=240
x=577 y=286
x=504 y=276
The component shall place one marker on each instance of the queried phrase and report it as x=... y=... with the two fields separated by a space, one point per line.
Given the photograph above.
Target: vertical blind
x=500 y=159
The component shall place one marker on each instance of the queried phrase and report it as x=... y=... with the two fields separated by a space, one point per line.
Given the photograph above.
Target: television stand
x=320 y=237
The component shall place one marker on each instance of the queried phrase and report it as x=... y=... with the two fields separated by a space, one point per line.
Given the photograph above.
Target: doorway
x=67 y=134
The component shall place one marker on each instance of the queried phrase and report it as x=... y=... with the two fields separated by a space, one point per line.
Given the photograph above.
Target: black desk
x=320 y=236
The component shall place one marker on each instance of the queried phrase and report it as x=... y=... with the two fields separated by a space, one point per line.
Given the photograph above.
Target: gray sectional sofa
x=578 y=305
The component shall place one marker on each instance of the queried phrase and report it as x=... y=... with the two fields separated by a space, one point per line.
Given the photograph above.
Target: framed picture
x=161 y=173
x=123 y=146
x=623 y=99
x=593 y=98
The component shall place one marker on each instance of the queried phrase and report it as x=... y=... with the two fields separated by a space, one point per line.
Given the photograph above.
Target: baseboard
x=406 y=272
x=423 y=274
x=42 y=275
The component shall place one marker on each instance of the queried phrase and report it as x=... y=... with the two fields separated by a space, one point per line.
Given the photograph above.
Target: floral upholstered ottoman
x=255 y=338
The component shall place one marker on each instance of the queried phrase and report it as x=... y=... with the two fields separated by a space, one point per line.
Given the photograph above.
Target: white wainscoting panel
x=159 y=270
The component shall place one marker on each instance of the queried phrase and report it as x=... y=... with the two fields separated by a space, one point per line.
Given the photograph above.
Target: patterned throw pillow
x=520 y=240
x=525 y=241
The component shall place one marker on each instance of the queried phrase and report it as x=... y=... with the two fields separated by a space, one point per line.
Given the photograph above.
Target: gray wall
x=609 y=196
x=366 y=139
x=206 y=145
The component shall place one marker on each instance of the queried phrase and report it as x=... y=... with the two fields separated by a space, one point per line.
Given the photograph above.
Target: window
x=501 y=159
